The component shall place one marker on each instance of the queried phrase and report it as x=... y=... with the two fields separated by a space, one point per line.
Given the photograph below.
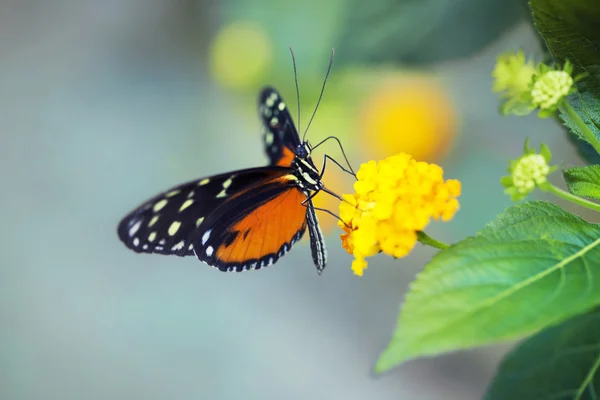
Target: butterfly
x=241 y=220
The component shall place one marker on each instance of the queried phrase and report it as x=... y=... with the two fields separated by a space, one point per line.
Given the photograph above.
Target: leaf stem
x=429 y=241
x=587 y=133
x=548 y=187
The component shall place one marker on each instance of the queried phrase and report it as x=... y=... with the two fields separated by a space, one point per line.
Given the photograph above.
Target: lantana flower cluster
x=394 y=199
x=525 y=87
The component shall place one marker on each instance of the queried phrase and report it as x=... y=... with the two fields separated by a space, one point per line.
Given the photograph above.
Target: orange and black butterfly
x=241 y=220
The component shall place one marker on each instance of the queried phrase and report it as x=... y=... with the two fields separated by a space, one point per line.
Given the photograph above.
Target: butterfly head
x=303 y=150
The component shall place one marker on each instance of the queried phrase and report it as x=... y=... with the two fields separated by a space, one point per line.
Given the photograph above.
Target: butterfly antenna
x=321 y=95
x=297 y=90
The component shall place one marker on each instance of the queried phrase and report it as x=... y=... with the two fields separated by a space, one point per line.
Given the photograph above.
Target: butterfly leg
x=351 y=171
x=325 y=158
x=328 y=212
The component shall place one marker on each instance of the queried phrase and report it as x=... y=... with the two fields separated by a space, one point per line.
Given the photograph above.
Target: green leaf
x=534 y=266
x=545 y=152
x=421 y=31
x=571 y=32
x=516 y=106
x=559 y=363
x=584 y=149
x=584 y=181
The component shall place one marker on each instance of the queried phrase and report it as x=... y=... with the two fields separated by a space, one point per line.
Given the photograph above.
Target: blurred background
x=104 y=104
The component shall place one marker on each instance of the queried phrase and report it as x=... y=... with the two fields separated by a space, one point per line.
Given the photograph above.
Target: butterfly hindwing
x=166 y=223
x=280 y=135
x=254 y=229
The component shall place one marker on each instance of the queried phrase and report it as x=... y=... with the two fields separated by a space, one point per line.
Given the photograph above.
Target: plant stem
x=587 y=133
x=429 y=241
x=548 y=187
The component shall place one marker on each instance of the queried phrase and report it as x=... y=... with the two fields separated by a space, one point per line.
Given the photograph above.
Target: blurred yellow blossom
x=240 y=55
x=394 y=199
x=411 y=114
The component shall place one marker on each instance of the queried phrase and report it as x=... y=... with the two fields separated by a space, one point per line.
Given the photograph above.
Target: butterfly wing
x=255 y=229
x=166 y=223
x=280 y=135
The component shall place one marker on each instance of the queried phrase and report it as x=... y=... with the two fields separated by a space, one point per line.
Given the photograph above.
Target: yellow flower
x=394 y=199
x=335 y=180
x=240 y=55
x=410 y=114
x=512 y=74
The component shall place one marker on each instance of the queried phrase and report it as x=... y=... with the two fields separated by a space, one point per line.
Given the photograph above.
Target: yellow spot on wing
x=158 y=206
x=269 y=138
x=152 y=236
x=186 y=204
x=203 y=182
x=199 y=221
x=174 y=228
x=222 y=194
x=227 y=183
x=173 y=192
x=153 y=221
x=281 y=106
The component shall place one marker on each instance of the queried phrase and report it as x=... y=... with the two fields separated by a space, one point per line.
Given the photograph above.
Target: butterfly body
x=244 y=219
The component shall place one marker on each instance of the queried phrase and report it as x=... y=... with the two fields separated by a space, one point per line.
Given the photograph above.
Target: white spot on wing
x=136 y=242
x=269 y=138
x=274 y=121
x=281 y=106
x=209 y=251
x=206 y=236
x=135 y=227
x=178 y=246
x=270 y=101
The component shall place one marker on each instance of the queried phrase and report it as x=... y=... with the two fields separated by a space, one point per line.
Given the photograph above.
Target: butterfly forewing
x=165 y=224
x=280 y=135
